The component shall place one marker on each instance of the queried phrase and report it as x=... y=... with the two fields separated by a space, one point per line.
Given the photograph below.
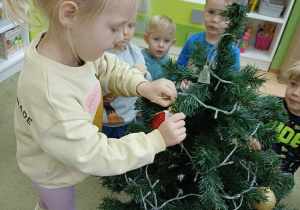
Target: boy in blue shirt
x=215 y=26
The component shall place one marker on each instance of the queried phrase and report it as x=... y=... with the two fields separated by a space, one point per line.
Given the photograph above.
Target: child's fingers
x=172 y=87
x=181 y=137
x=178 y=117
x=255 y=144
x=170 y=90
x=181 y=131
x=163 y=101
x=161 y=91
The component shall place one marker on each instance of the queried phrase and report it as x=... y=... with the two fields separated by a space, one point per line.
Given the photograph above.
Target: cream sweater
x=57 y=143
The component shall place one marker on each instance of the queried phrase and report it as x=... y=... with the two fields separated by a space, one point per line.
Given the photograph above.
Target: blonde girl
x=59 y=98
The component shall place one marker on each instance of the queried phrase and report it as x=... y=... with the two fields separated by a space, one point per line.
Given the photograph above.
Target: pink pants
x=56 y=199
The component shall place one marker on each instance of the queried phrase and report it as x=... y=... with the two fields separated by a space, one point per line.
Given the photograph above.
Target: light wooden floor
x=272 y=86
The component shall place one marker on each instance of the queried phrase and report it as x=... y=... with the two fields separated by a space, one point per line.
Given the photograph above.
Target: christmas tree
x=214 y=167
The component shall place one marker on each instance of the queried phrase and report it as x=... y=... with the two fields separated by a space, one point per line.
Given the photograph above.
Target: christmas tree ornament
x=204 y=76
x=160 y=117
x=268 y=205
x=180 y=177
x=163 y=97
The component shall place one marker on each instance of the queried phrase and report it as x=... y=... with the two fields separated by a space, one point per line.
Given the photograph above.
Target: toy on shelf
x=11 y=42
x=244 y=42
x=252 y=5
x=265 y=36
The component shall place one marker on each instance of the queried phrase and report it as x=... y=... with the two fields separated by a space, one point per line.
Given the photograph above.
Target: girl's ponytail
x=18 y=10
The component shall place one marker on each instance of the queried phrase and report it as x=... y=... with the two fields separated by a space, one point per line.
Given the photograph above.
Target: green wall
x=180 y=12
x=287 y=36
x=35 y=30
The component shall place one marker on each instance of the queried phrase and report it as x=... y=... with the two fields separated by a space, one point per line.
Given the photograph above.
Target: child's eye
x=167 y=41
x=293 y=84
x=115 y=29
x=131 y=25
x=155 y=39
x=211 y=12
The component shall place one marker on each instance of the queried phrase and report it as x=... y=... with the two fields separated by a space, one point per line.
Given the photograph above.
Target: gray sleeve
x=141 y=60
x=148 y=76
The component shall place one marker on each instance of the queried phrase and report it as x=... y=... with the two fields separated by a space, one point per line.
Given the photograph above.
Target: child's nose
x=296 y=92
x=161 y=43
x=125 y=30
x=216 y=18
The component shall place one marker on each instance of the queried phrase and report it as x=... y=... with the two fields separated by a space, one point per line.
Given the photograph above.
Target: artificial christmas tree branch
x=214 y=168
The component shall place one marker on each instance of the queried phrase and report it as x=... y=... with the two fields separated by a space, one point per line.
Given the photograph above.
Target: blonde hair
x=160 y=23
x=88 y=9
x=294 y=70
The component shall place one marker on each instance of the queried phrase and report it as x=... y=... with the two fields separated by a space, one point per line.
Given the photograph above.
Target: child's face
x=128 y=32
x=92 y=38
x=292 y=95
x=159 y=43
x=214 y=23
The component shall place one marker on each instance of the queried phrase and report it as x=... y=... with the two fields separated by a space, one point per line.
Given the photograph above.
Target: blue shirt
x=154 y=66
x=185 y=54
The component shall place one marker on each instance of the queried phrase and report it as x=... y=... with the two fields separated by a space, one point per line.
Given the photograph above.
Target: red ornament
x=159 y=118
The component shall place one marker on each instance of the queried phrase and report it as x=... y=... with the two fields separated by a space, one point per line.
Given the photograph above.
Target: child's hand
x=161 y=91
x=173 y=130
x=255 y=144
x=184 y=84
x=141 y=68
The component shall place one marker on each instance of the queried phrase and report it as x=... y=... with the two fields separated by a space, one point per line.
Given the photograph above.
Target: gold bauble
x=269 y=204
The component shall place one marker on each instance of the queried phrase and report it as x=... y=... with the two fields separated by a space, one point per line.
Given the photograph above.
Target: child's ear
x=146 y=38
x=174 y=41
x=66 y=12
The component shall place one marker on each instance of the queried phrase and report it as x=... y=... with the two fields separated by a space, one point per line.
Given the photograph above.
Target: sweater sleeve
x=117 y=77
x=77 y=144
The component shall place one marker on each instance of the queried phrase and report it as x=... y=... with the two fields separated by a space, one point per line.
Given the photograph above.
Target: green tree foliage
x=214 y=168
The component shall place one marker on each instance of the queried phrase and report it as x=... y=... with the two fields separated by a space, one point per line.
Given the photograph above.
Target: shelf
x=6 y=24
x=255 y=15
x=263 y=59
x=14 y=64
x=12 y=60
x=253 y=53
